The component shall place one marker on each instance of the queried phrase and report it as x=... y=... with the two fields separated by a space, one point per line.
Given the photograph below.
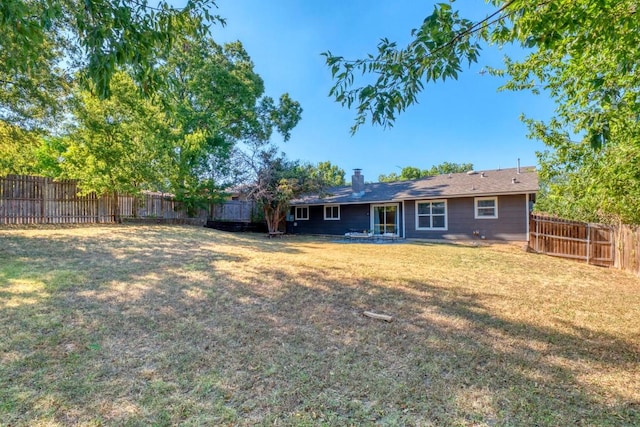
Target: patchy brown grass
x=158 y=325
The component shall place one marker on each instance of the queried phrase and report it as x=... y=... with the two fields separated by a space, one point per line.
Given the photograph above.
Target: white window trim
x=324 y=209
x=475 y=207
x=446 y=215
x=301 y=218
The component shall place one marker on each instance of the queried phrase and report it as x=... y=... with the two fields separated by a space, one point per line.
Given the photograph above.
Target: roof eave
x=425 y=197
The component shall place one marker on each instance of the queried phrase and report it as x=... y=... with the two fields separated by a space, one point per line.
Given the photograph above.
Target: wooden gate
x=591 y=243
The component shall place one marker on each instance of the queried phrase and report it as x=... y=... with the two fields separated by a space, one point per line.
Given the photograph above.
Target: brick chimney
x=357 y=183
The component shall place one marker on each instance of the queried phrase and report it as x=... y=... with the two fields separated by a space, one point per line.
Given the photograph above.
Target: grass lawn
x=153 y=325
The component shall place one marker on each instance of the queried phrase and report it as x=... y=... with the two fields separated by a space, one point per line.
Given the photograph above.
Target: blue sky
x=463 y=121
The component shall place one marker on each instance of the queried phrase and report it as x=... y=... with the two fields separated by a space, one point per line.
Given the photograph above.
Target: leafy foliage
x=598 y=185
x=278 y=181
x=583 y=53
x=588 y=62
x=440 y=47
x=215 y=99
x=32 y=82
x=115 y=147
x=329 y=174
x=179 y=138
x=18 y=148
x=43 y=44
x=412 y=172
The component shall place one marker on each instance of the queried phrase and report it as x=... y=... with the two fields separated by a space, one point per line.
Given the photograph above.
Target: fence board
x=38 y=200
x=628 y=248
x=234 y=210
x=592 y=243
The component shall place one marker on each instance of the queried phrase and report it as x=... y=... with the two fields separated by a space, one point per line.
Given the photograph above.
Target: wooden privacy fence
x=160 y=206
x=591 y=243
x=38 y=200
x=234 y=210
x=628 y=248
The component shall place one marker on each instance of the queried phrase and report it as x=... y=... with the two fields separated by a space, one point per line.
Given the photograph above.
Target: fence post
x=537 y=220
x=588 y=241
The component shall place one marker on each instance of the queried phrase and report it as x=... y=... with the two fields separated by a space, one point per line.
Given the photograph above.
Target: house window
x=431 y=215
x=302 y=212
x=486 y=207
x=331 y=212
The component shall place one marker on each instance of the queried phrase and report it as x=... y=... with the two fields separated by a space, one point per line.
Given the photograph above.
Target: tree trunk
x=273 y=217
x=268 y=212
x=116 y=208
x=136 y=202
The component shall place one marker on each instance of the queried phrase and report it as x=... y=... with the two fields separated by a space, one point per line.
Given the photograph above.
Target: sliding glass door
x=384 y=218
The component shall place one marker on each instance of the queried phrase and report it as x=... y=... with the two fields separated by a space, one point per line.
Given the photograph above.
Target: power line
x=478 y=26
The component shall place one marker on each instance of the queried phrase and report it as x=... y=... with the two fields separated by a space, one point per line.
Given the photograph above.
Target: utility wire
x=478 y=26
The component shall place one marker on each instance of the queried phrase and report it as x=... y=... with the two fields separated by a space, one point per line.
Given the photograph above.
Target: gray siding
x=511 y=223
x=352 y=218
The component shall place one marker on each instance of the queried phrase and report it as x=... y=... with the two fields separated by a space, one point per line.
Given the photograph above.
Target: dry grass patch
x=158 y=325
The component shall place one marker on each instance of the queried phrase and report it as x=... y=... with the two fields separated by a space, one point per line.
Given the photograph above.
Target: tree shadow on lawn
x=79 y=321
x=154 y=249
x=200 y=345
x=446 y=359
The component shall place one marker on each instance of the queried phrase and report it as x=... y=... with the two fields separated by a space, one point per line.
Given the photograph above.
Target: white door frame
x=372 y=216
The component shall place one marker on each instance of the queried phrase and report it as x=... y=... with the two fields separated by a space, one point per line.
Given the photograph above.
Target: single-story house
x=493 y=205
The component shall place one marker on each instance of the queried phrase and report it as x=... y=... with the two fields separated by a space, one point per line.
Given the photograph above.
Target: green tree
x=48 y=156
x=116 y=146
x=278 y=181
x=30 y=95
x=411 y=172
x=329 y=174
x=18 y=148
x=28 y=152
x=583 y=183
x=44 y=44
x=215 y=99
x=392 y=177
x=583 y=53
x=448 y=167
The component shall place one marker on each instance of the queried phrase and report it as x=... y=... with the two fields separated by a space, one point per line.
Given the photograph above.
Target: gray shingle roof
x=480 y=183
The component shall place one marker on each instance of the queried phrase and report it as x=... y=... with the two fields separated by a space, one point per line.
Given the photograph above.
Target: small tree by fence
x=595 y=244
x=38 y=200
